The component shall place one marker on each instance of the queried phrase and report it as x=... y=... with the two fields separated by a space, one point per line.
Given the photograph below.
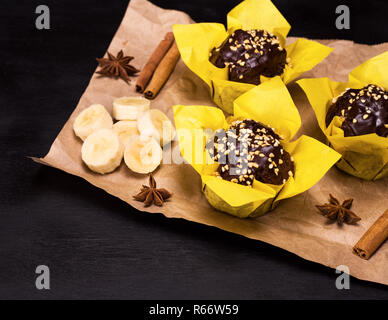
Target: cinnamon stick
x=373 y=238
x=153 y=61
x=162 y=72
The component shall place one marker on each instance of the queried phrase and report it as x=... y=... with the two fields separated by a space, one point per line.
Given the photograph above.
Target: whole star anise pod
x=340 y=212
x=151 y=195
x=117 y=66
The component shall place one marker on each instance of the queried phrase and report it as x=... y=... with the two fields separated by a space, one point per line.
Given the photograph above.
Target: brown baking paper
x=294 y=225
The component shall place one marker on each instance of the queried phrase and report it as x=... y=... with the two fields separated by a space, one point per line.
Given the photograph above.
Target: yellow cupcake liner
x=196 y=41
x=363 y=156
x=272 y=105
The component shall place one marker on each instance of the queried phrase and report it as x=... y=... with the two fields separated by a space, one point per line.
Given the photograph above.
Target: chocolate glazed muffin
x=363 y=111
x=250 y=54
x=249 y=150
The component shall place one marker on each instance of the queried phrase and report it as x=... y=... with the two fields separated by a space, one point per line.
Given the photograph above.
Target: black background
x=95 y=245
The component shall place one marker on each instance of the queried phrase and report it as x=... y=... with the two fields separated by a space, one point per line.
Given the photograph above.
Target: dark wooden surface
x=95 y=245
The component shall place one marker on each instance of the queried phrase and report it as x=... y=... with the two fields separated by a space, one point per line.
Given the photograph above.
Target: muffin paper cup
x=363 y=156
x=272 y=105
x=195 y=42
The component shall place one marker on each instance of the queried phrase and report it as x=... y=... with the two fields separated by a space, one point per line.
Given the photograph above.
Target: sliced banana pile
x=138 y=136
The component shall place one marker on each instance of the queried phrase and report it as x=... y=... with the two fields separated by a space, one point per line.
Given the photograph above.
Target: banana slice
x=91 y=119
x=102 y=151
x=129 y=108
x=126 y=129
x=143 y=154
x=154 y=123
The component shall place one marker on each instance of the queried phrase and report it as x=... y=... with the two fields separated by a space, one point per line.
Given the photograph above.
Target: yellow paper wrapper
x=272 y=105
x=196 y=41
x=363 y=156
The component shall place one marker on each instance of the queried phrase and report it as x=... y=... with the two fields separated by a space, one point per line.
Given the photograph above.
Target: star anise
x=151 y=195
x=340 y=212
x=117 y=66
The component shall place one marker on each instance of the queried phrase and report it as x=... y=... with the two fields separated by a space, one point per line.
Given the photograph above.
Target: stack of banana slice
x=138 y=136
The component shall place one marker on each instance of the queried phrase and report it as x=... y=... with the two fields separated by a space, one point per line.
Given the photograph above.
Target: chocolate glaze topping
x=250 y=54
x=363 y=110
x=249 y=150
